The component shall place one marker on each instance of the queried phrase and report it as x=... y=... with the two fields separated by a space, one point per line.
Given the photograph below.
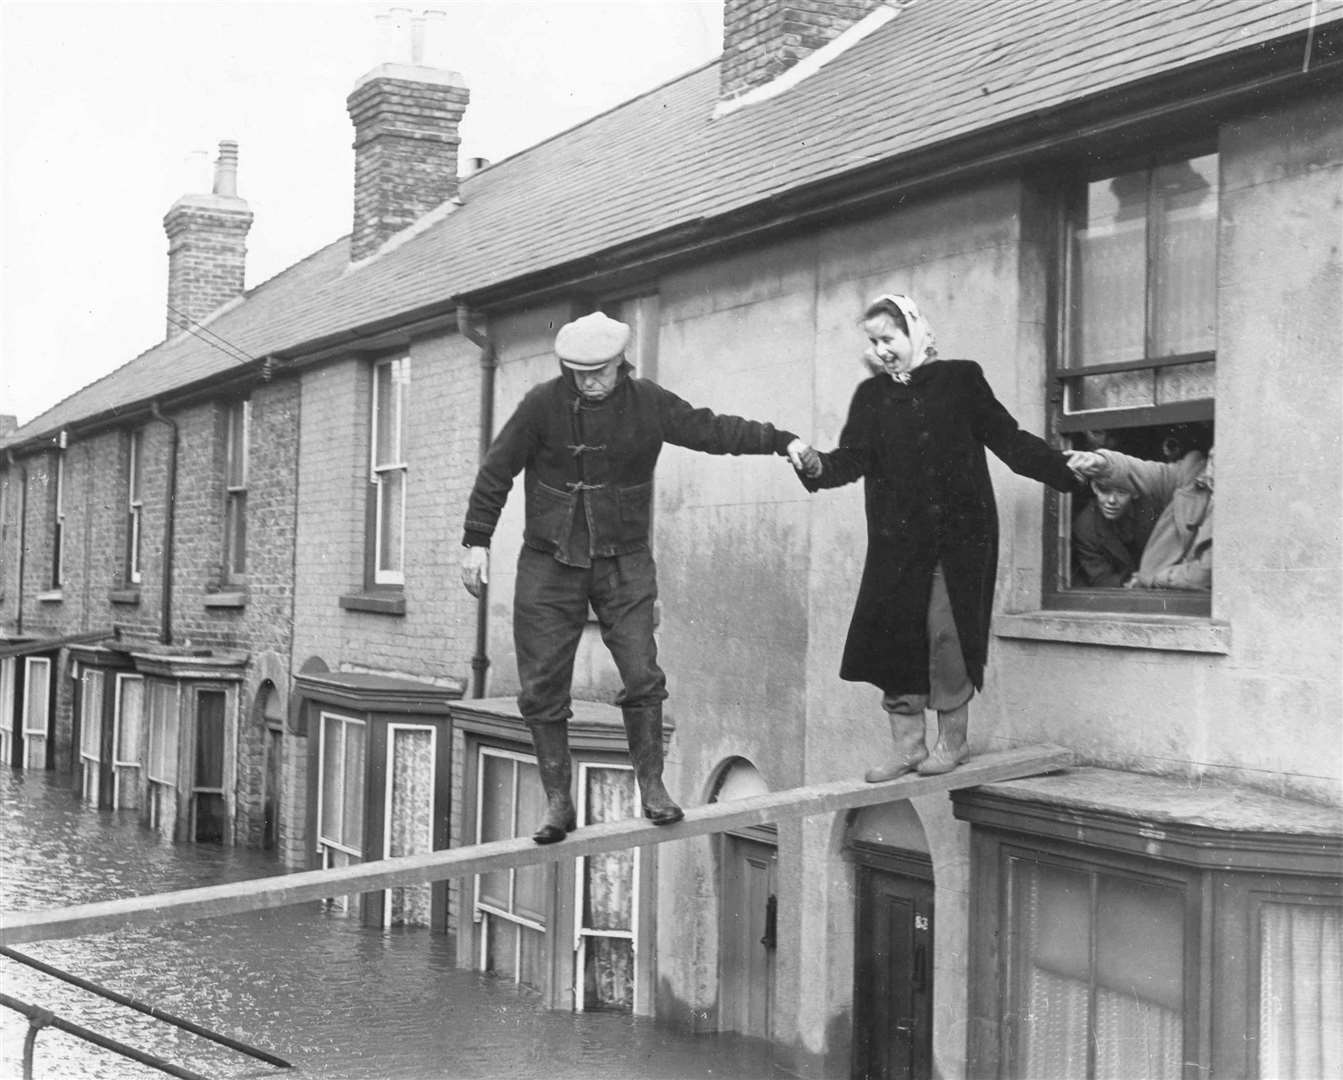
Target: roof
x=938 y=72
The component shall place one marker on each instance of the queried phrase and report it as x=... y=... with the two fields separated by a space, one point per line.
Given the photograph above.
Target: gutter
x=169 y=521
x=489 y=364
x=23 y=535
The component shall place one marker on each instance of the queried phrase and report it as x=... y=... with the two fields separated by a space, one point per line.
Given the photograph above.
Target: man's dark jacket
x=920 y=451
x=604 y=450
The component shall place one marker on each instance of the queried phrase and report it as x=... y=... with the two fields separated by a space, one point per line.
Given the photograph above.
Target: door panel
x=748 y=937
x=893 y=978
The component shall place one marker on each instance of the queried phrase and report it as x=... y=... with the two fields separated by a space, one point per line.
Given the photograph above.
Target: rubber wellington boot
x=552 y=759
x=643 y=729
x=951 y=748
x=907 y=730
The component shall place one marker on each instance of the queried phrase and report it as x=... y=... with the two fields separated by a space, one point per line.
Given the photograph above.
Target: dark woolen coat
x=920 y=451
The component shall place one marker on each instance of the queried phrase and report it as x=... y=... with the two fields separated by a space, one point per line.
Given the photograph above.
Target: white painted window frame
x=583 y=934
x=379 y=471
x=392 y=729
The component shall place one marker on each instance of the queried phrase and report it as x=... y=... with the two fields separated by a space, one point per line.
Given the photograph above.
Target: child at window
x=1109 y=535
x=916 y=433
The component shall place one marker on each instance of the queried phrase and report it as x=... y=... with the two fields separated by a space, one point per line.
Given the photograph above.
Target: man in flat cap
x=588 y=441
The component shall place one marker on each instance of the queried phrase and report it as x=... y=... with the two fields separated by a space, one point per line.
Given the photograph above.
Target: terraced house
x=230 y=568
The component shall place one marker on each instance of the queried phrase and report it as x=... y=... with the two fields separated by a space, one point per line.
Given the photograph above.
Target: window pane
x=1116 y=390
x=410 y=828
x=391 y=488
x=352 y=829
x=390 y=381
x=163 y=732
x=1140 y=980
x=495 y=822
x=501 y=944
x=235 y=535
x=210 y=739
x=1185 y=382
x=35 y=697
x=1051 y=993
x=608 y=880
x=91 y=714
x=1184 y=257
x=129 y=719
x=1300 y=991
x=608 y=974
x=333 y=775
x=1110 y=272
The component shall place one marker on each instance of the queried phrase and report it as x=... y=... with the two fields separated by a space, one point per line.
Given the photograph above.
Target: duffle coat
x=919 y=448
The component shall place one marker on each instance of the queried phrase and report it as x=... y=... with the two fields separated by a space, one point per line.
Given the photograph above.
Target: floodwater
x=337 y=1000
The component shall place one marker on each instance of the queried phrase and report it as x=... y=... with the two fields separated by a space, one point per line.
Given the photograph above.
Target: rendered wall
x=1265 y=713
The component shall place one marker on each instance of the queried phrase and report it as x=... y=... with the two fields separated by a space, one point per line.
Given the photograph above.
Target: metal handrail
x=38 y=1018
x=146 y=1008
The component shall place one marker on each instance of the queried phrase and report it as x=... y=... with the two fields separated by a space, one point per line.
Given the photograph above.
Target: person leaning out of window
x=1109 y=535
x=1178 y=554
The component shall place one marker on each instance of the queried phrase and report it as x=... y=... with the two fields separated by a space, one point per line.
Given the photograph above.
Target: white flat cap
x=591 y=341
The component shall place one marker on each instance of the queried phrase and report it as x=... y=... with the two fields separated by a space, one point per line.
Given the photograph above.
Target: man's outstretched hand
x=475 y=569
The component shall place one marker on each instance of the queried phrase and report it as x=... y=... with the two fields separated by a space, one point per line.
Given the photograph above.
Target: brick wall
x=207 y=252
x=405 y=153
x=764 y=38
x=435 y=638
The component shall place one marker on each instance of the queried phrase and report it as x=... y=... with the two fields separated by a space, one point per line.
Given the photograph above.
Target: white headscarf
x=922 y=341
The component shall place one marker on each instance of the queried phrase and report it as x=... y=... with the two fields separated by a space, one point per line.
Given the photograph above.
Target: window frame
x=237 y=465
x=376 y=576
x=8 y=678
x=482 y=912
x=158 y=752
x=1069 y=196
x=584 y=934
x=58 y=518
x=134 y=504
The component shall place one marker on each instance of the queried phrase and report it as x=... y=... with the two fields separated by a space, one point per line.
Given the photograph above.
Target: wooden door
x=748 y=936
x=893 y=980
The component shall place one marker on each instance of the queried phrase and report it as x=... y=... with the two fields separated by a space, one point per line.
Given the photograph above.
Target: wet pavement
x=337 y=1000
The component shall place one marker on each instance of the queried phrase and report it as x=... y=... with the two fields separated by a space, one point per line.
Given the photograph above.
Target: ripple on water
x=340 y=1001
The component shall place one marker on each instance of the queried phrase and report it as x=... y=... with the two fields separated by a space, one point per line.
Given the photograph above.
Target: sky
x=111 y=110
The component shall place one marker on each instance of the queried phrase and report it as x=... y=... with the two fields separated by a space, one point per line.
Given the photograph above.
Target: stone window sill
x=226 y=598
x=1168 y=633
x=51 y=596
x=376 y=603
x=129 y=597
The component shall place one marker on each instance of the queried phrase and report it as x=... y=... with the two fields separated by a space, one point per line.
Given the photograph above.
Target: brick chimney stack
x=764 y=38
x=405 y=116
x=207 y=246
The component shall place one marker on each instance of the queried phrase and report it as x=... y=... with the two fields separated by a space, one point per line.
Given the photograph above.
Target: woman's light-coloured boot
x=951 y=748
x=908 y=730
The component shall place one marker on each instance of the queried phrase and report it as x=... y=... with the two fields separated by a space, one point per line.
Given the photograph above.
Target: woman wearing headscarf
x=916 y=433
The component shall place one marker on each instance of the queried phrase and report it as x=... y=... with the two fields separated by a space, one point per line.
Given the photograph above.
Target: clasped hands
x=1087 y=464
x=804 y=459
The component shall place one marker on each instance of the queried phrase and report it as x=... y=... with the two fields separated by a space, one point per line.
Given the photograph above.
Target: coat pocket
x=549 y=513
x=635 y=504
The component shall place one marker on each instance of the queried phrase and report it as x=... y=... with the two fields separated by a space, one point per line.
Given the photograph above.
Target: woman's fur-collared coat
x=920 y=451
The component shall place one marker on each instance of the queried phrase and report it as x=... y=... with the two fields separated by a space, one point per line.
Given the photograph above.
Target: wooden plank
x=236 y=897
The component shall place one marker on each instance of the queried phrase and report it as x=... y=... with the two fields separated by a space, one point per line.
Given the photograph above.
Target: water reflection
x=336 y=999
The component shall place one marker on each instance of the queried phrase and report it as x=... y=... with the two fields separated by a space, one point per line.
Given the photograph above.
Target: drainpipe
x=480 y=663
x=23 y=532
x=169 y=518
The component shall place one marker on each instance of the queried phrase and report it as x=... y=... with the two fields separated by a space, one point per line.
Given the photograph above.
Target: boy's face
x=1113 y=502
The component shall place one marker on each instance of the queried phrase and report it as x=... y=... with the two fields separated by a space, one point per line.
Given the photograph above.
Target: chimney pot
x=226 y=169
